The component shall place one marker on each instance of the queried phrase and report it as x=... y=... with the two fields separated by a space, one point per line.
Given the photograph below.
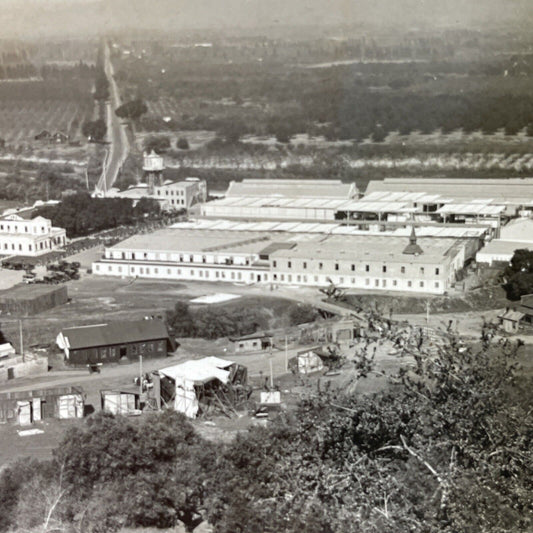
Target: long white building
x=37 y=236
x=424 y=265
x=281 y=200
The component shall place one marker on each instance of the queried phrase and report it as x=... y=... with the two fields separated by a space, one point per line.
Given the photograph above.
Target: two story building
x=34 y=237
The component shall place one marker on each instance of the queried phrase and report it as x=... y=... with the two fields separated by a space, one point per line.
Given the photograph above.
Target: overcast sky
x=90 y=16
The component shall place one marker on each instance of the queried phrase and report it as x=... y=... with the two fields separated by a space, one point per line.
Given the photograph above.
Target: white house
x=37 y=236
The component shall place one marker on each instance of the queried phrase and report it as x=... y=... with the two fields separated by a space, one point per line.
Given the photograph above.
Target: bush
x=182 y=143
x=519 y=275
x=158 y=143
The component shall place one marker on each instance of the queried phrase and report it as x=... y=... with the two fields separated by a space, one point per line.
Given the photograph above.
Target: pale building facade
x=358 y=262
x=29 y=237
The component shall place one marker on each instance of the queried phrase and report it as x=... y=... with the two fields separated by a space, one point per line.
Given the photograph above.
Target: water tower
x=153 y=166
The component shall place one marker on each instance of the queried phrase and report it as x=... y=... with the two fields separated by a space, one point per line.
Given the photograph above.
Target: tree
x=158 y=143
x=182 y=143
x=3 y=338
x=302 y=314
x=101 y=89
x=180 y=319
x=152 y=471
x=13 y=478
x=94 y=130
x=519 y=275
x=131 y=110
x=447 y=449
x=147 y=206
x=379 y=134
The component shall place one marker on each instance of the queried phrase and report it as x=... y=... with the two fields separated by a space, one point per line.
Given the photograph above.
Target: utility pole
x=271 y=368
x=21 y=340
x=140 y=376
x=286 y=356
x=427 y=313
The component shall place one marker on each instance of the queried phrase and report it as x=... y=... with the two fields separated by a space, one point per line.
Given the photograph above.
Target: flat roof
x=281 y=202
x=436 y=230
x=400 y=196
x=198 y=240
x=371 y=247
x=499 y=247
x=519 y=230
x=517 y=191
x=472 y=208
x=295 y=188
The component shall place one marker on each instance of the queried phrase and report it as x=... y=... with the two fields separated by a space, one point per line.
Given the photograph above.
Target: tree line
x=80 y=214
x=228 y=321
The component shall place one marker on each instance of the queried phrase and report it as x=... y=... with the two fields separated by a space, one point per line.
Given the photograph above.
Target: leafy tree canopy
x=519 y=275
x=131 y=110
x=446 y=448
x=158 y=143
x=94 y=130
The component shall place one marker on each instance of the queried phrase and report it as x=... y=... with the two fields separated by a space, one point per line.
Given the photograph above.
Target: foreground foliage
x=446 y=448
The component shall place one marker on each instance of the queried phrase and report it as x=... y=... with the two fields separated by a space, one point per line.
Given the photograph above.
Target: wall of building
x=27 y=407
x=193 y=272
x=15 y=367
x=29 y=237
x=396 y=272
x=363 y=274
x=212 y=209
x=31 y=299
x=393 y=280
x=248 y=345
x=113 y=354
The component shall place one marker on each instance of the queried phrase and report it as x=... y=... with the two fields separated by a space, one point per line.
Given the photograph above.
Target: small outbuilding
x=510 y=320
x=255 y=342
x=26 y=407
x=307 y=361
x=526 y=307
x=121 y=402
x=24 y=299
x=115 y=342
x=14 y=365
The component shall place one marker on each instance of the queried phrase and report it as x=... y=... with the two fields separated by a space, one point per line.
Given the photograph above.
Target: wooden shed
x=25 y=407
x=115 y=342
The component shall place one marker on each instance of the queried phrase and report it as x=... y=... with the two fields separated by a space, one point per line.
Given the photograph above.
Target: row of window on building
x=353 y=267
x=43 y=245
x=181 y=258
x=171 y=192
x=289 y=278
x=14 y=229
x=112 y=352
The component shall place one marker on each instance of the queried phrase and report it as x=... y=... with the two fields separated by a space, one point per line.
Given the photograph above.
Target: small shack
x=307 y=361
x=526 y=307
x=121 y=402
x=26 y=407
x=14 y=366
x=255 y=342
x=27 y=299
x=510 y=320
x=201 y=386
x=116 y=342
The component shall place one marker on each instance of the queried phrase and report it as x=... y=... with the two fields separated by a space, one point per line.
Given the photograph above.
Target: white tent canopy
x=200 y=371
x=196 y=372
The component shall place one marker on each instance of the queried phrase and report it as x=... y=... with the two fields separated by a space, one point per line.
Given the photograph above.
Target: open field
x=21 y=121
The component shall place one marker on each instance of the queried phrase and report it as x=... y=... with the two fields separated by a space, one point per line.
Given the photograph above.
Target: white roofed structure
x=291 y=189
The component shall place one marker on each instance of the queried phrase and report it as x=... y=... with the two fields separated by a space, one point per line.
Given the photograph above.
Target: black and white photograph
x=266 y=266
